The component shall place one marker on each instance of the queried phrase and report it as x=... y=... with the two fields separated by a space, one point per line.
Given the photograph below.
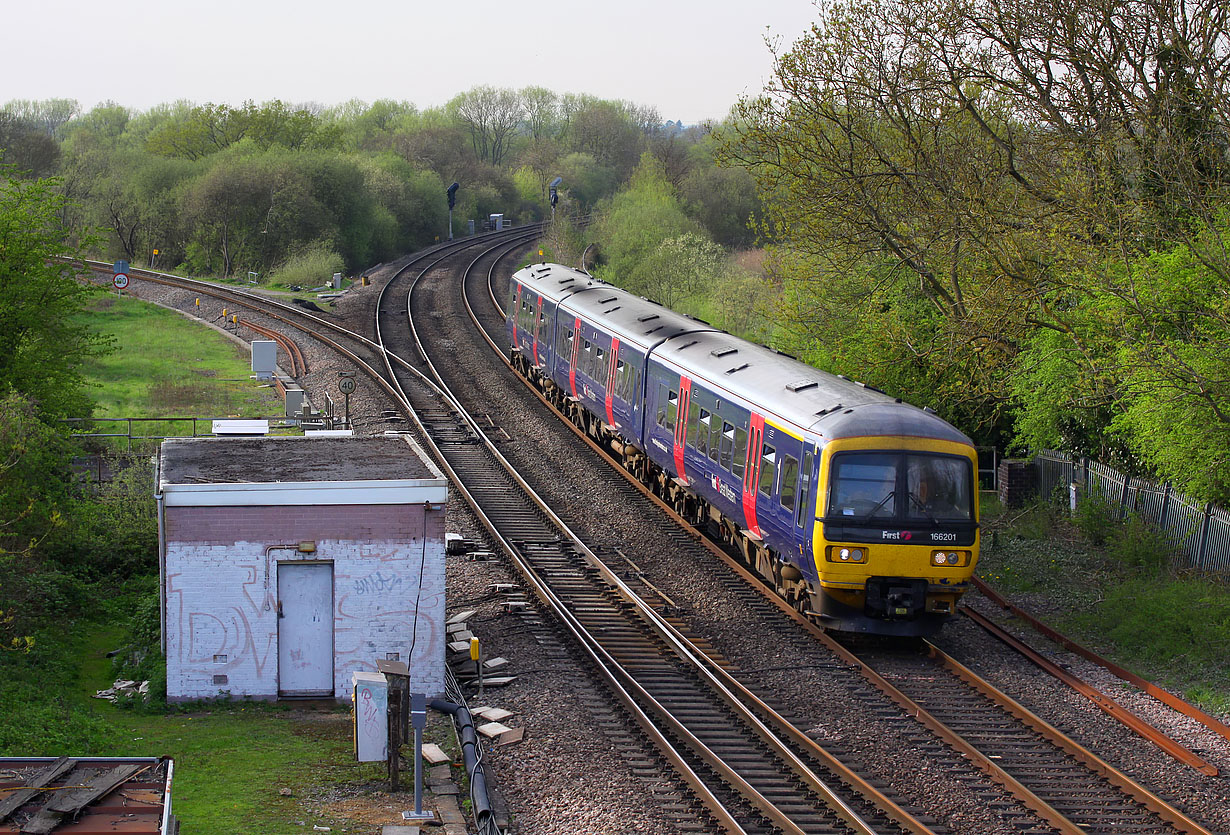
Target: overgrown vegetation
x=1115 y=588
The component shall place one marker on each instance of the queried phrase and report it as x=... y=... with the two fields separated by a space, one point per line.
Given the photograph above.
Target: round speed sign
x=346 y=384
x=120 y=280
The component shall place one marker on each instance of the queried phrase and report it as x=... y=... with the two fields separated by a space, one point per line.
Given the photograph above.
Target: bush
x=1138 y=545
x=1097 y=519
x=310 y=267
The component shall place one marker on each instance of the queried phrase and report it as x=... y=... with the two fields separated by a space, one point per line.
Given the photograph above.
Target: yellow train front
x=896 y=537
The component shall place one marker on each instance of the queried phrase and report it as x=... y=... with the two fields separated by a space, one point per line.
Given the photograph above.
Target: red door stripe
x=572 y=366
x=537 y=327
x=681 y=425
x=610 y=382
x=751 y=473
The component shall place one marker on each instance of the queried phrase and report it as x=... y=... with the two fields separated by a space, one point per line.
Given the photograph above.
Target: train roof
x=634 y=320
x=829 y=405
x=557 y=282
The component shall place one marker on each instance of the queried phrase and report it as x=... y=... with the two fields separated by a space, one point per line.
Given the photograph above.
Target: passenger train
x=860 y=509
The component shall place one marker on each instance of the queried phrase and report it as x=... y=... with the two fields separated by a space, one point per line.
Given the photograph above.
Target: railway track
x=715 y=734
x=654 y=660
x=1053 y=777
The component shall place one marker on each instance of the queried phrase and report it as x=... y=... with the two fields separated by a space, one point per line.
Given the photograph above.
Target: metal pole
x=418 y=771
x=450 y=224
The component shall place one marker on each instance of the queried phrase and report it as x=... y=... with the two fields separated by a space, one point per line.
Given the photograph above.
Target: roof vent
x=737 y=368
x=801 y=385
x=688 y=344
x=647 y=317
x=607 y=299
x=654 y=328
x=724 y=351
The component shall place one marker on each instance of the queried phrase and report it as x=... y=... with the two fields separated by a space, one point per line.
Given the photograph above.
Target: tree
x=542 y=112
x=610 y=133
x=1000 y=155
x=636 y=224
x=26 y=147
x=491 y=116
x=41 y=347
x=48 y=116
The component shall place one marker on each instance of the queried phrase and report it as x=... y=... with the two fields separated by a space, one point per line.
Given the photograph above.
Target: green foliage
x=637 y=222
x=1166 y=625
x=40 y=350
x=113 y=532
x=1119 y=597
x=34 y=475
x=310 y=267
x=1097 y=519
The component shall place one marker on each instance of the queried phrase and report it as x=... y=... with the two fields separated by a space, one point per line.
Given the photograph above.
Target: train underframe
x=895 y=606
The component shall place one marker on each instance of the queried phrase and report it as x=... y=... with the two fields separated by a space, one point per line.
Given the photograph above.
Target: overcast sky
x=691 y=59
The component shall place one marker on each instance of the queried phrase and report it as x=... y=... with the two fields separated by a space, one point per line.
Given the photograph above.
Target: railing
x=1200 y=531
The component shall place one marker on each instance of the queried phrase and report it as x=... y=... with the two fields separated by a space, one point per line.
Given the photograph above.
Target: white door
x=305 y=629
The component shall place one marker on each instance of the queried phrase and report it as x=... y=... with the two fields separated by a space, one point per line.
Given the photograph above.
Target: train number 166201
x=939 y=536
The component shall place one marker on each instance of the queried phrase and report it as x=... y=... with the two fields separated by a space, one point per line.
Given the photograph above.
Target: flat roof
x=263 y=460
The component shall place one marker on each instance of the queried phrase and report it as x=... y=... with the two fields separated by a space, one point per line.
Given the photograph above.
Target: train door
x=751 y=474
x=805 y=513
x=681 y=426
x=538 y=329
x=611 y=368
x=547 y=337
x=572 y=365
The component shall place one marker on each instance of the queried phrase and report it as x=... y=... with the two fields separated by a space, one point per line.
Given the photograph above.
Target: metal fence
x=1200 y=531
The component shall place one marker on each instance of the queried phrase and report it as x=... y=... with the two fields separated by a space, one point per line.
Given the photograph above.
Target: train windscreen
x=877 y=487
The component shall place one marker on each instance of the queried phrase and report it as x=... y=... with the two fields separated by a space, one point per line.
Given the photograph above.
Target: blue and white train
x=860 y=509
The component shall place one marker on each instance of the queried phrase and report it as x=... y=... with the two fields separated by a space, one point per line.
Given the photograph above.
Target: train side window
x=565 y=346
x=715 y=436
x=726 y=445
x=768 y=469
x=672 y=410
x=740 y=452
x=805 y=493
x=599 y=365
x=700 y=438
x=790 y=481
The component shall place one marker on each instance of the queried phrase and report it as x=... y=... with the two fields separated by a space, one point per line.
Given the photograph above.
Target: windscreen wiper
x=918 y=503
x=880 y=504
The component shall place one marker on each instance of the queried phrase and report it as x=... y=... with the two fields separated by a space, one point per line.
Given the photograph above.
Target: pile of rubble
x=124 y=689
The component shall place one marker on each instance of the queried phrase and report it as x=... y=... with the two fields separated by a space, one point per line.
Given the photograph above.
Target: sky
x=691 y=59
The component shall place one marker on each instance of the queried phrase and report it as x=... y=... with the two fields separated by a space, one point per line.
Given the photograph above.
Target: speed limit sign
x=120 y=280
x=346 y=384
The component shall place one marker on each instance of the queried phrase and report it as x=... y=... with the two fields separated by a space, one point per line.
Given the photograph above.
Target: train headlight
x=949 y=558
x=847 y=554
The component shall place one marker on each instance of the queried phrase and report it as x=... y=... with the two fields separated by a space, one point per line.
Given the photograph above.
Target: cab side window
x=805 y=493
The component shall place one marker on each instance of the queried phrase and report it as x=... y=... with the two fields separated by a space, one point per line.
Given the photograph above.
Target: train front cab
x=897 y=540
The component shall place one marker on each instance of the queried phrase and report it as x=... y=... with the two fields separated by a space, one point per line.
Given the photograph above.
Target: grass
x=232 y=760
x=166 y=365
x=1115 y=588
